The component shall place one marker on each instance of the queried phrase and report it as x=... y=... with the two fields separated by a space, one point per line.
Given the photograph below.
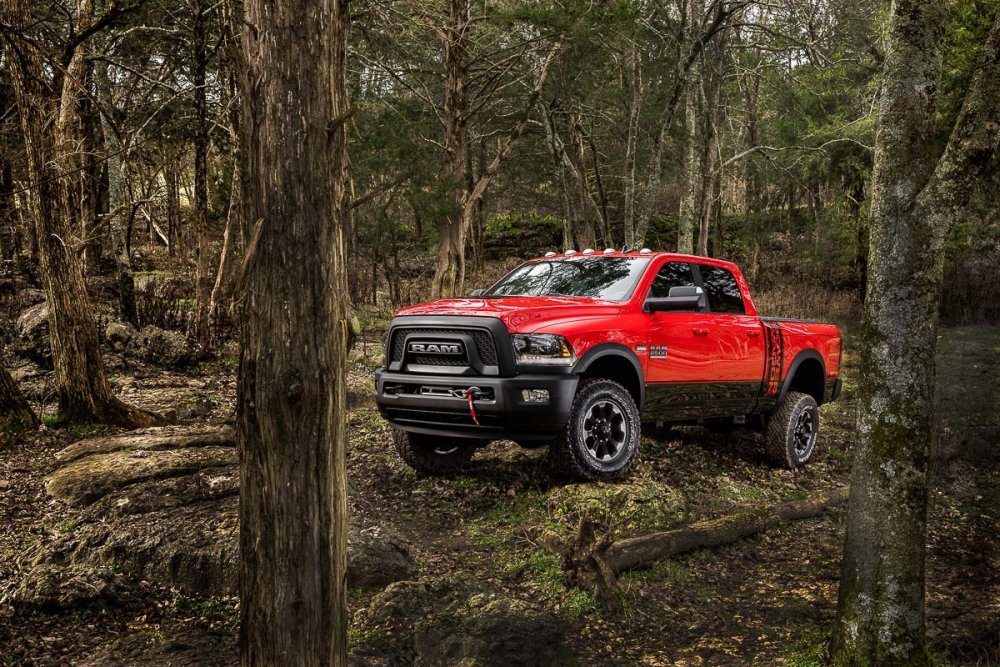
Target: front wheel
x=792 y=429
x=433 y=455
x=601 y=437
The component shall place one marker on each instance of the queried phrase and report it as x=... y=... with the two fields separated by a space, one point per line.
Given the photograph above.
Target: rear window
x=607 y=278
x=723 y=293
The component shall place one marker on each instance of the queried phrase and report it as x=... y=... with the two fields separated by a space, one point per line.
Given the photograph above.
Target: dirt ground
x=767 y=600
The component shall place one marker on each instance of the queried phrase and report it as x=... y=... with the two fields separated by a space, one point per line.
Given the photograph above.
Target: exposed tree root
x=592 y=561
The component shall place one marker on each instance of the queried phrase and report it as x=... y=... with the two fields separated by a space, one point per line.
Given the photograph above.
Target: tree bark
x=83 y=391
x=914 y=197
x=690 y=209
x=292 y=399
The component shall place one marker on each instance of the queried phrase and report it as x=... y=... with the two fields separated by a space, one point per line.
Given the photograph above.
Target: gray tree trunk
x=915 y=196
x=292 y=398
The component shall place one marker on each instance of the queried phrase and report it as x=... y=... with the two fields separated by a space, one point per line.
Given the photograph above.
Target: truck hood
x=520 y=313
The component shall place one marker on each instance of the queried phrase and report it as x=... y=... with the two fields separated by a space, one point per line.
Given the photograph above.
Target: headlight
x=543 y=349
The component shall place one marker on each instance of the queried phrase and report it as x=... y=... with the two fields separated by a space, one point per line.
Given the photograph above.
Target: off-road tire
x=431 y=454
x=570 y=453
x=783 y=438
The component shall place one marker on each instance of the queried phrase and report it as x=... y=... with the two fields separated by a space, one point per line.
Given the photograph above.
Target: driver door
x=679 y=351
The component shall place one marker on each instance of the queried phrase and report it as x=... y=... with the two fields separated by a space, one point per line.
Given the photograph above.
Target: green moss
x=68 y=526
x=634 y=507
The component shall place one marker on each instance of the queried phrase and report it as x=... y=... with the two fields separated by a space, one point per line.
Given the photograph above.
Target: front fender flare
x=619 y=351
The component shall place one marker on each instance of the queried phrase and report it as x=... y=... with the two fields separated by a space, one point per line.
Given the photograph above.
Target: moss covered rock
x=634 y=507
x=444 y=621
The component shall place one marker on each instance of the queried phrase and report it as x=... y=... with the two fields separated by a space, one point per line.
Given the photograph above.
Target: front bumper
x=423 y=404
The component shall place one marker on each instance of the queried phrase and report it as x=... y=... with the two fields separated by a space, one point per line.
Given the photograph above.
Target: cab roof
x=644 y=252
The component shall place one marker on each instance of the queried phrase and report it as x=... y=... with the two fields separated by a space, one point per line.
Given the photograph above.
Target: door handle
x=700 y=332
x=753 y=333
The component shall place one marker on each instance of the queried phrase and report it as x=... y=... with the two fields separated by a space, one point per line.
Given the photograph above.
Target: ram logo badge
x=436 y=348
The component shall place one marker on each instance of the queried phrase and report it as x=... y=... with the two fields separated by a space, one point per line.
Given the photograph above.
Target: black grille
x=484 y=344
x=436 y=360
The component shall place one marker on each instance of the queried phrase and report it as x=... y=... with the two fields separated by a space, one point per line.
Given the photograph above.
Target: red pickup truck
x=575 y=351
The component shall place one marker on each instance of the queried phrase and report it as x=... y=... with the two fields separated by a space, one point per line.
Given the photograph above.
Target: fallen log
x=592 y=561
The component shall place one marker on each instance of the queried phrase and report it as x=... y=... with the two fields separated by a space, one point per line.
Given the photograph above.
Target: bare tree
x=52 y=150
x=291 y=404
x=916 y=194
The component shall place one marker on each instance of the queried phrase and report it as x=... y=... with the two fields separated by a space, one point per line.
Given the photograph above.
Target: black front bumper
x=422 y=404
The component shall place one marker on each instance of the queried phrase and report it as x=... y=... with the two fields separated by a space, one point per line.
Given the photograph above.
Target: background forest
x=743 y=130
x=480 y=133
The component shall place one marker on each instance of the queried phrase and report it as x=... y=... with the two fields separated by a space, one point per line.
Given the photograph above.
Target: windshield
x=608 y=278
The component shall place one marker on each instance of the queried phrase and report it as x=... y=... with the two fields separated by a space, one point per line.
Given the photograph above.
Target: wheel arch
x=807 y=374
x=605 y=360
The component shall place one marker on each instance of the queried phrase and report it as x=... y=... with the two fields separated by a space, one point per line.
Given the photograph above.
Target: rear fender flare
x=800 y=358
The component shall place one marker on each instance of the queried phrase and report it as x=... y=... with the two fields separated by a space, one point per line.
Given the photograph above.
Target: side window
x=672 y=274
x=723 y=292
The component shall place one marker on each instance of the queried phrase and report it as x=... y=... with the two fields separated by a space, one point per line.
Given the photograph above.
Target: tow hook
x=471 y=394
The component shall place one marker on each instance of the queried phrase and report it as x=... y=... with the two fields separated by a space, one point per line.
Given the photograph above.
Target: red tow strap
x=472 y=407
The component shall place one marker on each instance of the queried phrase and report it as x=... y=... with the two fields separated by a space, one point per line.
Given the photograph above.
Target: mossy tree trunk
x=915 y=195
x=292 y=397
x=83 y=390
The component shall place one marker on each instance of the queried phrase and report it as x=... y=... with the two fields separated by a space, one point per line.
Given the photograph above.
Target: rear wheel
x=431 y=454
x=790 y=436
x=601 y=437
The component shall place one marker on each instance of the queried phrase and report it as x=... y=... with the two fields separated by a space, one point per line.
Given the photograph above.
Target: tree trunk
x=222 y=290
x=83 y=391
x=203 y=273
x=690 y=210
x=173 y=205
x=914 y=197
x=9 y=241
x=292 y=399
x=593 y=561
x=449 y=273
x=16 y=415
x=118 y=200
x=634 y=78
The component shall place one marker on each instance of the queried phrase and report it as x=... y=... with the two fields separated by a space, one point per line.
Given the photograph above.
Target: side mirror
x=679 y=298
x=478 y=292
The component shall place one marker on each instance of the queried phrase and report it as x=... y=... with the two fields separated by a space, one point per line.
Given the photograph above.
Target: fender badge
x=657 y=351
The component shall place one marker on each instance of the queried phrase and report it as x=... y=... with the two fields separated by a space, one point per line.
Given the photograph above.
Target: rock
x=378 y=556
x=180 y=647
x=442 y=621
x=154 y=438
x=197 y=408
x=32 y=341
x=488 y=630
x=119 y=334
x=633 y=507
x=161 y=504
x=53 y=585
x=193 y=547
x=169 y=349
x=89 y=479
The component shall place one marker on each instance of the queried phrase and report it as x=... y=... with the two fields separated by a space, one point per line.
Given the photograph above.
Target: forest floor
x=767 y=600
